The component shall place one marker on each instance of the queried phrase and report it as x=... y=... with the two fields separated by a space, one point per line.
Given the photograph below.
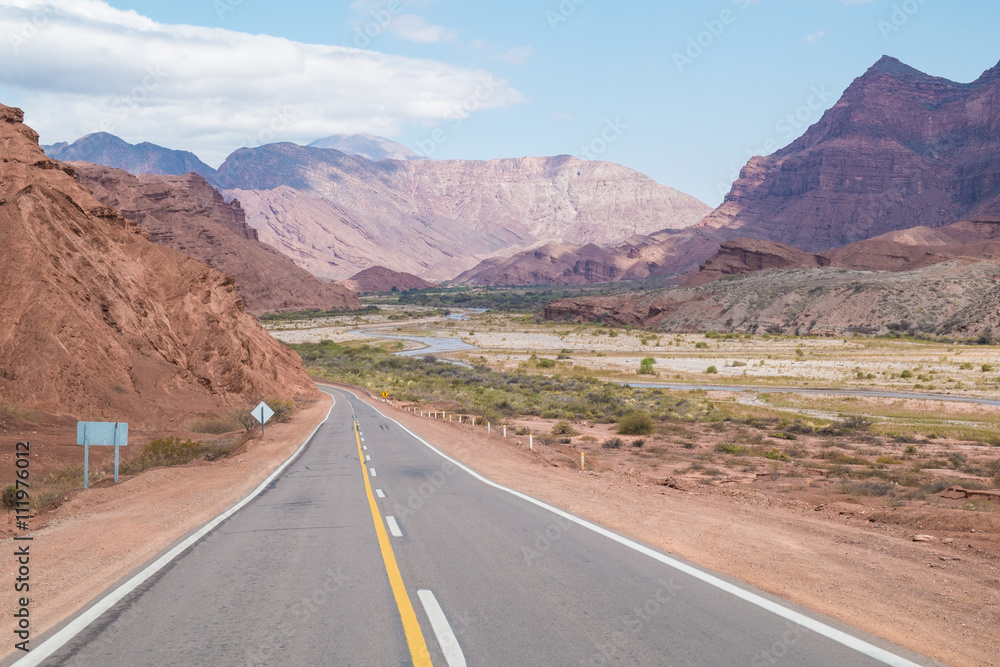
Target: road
x=410 y=559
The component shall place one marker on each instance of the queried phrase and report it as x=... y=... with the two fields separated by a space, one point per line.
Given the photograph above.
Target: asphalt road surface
x=410 y=559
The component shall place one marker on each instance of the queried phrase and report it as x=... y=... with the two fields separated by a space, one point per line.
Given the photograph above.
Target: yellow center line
x=414 y=637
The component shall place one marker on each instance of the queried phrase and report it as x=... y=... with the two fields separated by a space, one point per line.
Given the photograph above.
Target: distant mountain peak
x=890 y=65
x=108 y=150
x=367 y=146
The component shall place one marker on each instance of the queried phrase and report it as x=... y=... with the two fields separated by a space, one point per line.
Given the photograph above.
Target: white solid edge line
x=393 y=526
x=77 y=625
x=442 y=630
x=850 y=641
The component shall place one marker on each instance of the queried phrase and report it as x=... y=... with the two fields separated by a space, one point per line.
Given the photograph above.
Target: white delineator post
x=505 y=431
x=489 y=427
x=531 y=441
x=583 y=460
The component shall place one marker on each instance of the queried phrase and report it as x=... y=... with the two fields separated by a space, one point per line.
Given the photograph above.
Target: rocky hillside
x=145 y=158
x=96 y=321
x=190 y=216
x=379 y=279
x=956 y=298
x=336 y=214
x=900 y=149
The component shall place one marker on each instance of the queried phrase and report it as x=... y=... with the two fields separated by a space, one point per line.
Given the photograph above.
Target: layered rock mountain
x=367 y=146
x=98 y=321
x=379 y=279
x=900 y=149
x=336 y=214
x=110 y=151
x=190 y=216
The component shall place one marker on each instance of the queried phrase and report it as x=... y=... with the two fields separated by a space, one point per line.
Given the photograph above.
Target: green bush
x=712 y=370
x=646 y=366
x=564 y=428
x=283 y=410
x=636 y=423
x=906 y=375
x=613 y=443
x=734 y=450
x=162 y=452
x=987 y=368
x=547 y=363
x=701 y=346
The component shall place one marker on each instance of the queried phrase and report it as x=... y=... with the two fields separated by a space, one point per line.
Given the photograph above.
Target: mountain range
x=336 y=213
x=900 y=149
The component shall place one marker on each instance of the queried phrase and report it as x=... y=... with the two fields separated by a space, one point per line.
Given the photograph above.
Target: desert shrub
x=217 y=425
x=283 y=410
x=701 y=346
x=638 y=442
x=906 y=375
x=547 y=363
x=799 y=352
x=564 y=428
x=732 y=449
x=739 y=364
x=9 y=497
x=776 y=455
x=162 y=452
x=636 y=423
x=856 y=423
x=646 y=366
x=612 y=443
x=711 y=370
x=986 y=368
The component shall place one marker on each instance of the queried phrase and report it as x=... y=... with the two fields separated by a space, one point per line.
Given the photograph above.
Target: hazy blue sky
x=537 y=77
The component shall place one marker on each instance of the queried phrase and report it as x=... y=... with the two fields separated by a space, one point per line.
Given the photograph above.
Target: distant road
x=374 y=549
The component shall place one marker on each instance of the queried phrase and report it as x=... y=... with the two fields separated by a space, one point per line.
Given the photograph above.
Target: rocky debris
x=958 y=493
x=379 y=279
x=189 y=215
x=97 y=321
x=924 y=538
x=336 y=214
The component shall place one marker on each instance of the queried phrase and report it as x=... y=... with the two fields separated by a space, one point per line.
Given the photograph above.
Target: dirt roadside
x=939 y=599
x=101 y=535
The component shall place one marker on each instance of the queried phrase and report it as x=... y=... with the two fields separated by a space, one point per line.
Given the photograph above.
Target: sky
x=684 y=92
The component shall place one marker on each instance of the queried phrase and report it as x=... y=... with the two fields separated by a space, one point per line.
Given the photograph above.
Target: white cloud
x=519 y=55
x=377 y=16
x=815 y=37
x=563 y=117
x=82 y=66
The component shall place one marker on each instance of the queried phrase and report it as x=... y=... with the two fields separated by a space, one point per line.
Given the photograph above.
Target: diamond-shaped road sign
x=263 y=413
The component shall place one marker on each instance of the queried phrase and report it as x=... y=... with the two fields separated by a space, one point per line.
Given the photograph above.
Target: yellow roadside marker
x=411 y=627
